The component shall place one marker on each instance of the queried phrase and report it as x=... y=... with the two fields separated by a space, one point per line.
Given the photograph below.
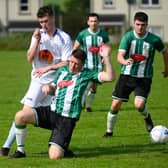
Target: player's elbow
x=29 y=58
x=108 y=78
x=111 y=78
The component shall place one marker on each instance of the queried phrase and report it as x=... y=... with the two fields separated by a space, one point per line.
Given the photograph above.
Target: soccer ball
x=159 y=134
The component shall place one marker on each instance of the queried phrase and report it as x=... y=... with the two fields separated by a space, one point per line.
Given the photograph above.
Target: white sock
x=11 y=137
x=90 y=99
x=20 y=137
x=111 y=120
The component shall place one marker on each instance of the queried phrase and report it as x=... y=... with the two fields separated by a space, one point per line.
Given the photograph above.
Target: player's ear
x=88 y=22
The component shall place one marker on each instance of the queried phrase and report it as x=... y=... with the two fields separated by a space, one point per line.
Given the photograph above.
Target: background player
x=90 y=40
x=136 y=56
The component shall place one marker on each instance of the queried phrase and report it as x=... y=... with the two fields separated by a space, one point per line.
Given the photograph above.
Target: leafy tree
x=77 y=6
x=74 y=18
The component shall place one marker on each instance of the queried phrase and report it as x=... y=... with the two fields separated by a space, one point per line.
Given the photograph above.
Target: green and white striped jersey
x=89 y=41
x=131 y=44
x=71 y=90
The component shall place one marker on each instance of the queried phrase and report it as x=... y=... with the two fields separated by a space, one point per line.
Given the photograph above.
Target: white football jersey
x=51 y=50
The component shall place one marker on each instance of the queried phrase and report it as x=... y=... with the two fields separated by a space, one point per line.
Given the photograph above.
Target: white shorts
x=35 y=97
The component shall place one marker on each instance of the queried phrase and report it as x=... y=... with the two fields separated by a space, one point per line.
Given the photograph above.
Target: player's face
x=93 y=23
x=140 y=27
x=75 y=65
x=47 y=23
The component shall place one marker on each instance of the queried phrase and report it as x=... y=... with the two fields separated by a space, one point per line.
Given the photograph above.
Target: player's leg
x=121 y=94
x=22 y=118
x=9 y=141
x=33 y=98
x=140 y=105
x=112 y=117
x=55 y=152
x=141 y=93
x=90 y=97
x=61 y=136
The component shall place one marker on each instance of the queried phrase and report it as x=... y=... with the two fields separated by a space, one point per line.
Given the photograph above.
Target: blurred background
x=18 y=18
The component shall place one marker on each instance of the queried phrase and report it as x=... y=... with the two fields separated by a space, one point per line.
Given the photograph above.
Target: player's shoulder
x=88 y=72
x=129 y=34
x=103 y=31
x=84 y=31
x=154 y=36
x=62 y=33
x=63 y=69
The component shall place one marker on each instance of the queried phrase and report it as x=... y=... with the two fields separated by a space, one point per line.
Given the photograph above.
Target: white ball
x=159 y=134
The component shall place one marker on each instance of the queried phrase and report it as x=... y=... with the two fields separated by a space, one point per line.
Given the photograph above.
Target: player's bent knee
x=19 y=116
x=55 y=152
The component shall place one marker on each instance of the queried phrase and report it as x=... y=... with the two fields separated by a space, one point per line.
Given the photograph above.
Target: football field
x=130 y=147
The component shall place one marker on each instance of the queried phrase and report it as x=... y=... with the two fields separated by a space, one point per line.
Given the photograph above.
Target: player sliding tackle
x=71 y=83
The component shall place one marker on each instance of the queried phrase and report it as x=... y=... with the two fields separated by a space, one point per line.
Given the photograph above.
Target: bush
x=16 y=41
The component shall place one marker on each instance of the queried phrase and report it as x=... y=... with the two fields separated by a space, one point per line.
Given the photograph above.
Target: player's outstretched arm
x=109 y=73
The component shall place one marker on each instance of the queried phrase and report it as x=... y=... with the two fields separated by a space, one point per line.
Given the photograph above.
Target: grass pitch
x=129 y=148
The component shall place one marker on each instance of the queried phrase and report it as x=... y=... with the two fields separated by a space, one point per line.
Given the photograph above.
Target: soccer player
x=136 y=56
x=90 y=39
x=70 y=84
x=50 y=49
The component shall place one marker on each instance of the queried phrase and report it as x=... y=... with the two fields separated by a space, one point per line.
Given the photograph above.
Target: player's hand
x=128 y=61
x=46 y=89
x=37 y=34
x=105 y=50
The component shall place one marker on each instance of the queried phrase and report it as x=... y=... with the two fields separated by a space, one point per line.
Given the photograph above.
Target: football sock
x=20 y=131
x=111 y=120
x=144 y=112
x=91 y=96
x=11 y=136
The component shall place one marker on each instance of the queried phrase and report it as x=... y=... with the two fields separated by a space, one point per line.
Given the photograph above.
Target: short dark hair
x=79 y=54
x=93 y=15
x=141 y=16
x=45 y=11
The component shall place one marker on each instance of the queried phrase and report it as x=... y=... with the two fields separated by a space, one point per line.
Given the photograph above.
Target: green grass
x=129 y=148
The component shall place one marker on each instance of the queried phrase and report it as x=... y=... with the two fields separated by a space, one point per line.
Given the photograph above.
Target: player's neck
x=51 y=32
x=140 y=35
x=94 y=30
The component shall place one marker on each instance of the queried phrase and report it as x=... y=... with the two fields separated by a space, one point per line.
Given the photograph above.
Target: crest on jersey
x=65 y=83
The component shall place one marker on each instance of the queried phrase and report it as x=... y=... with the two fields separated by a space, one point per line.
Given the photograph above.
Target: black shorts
x=127 y=84
x=62 y=127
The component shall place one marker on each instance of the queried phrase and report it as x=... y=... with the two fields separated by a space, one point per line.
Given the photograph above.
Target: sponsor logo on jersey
x=45 y=55
x=65 y=83
x=138 y=57
x=94 y=49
